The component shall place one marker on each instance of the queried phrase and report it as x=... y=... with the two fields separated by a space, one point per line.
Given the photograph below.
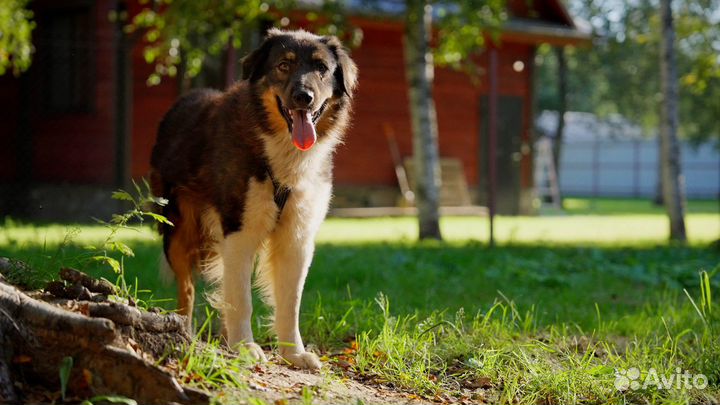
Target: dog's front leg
x=238 y=252
x=291 y=249
x=291 y=263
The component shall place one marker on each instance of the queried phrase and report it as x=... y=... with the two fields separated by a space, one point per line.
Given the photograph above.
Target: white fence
x=629 y=168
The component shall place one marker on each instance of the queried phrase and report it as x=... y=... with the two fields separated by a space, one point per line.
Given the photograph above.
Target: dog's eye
x=284 y=67
x=321 y=68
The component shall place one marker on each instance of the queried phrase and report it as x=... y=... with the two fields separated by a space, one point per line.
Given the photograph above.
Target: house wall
x=79 y=147
x=382 y=99
x=9 y=116
x=149 y=105
x=74 y=147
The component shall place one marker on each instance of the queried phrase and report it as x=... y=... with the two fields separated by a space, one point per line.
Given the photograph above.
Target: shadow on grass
x=528 y=321
x=559 y=284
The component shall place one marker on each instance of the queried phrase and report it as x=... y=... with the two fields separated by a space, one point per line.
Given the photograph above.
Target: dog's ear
x=253 y=65
x=346 y=71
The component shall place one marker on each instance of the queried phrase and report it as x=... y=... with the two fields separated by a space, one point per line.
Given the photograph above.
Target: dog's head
x=305 y=81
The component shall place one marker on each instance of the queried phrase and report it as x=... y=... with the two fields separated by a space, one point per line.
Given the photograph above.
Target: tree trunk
x=673 y=193
x=562 y=108
x=419 y=71
x=658 y=198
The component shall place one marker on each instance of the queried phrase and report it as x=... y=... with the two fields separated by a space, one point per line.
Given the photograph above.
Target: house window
x=67 y=46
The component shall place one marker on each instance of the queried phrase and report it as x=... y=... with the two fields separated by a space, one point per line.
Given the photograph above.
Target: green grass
x=628 y=206
x=546 y=317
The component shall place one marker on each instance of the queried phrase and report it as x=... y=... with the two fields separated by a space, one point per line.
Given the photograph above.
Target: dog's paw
x=255 y=351
x=304 y=360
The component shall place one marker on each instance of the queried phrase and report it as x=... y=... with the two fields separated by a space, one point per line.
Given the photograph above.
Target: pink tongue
x=303 y=130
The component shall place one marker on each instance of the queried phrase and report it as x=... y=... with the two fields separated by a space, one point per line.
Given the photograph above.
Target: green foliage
x=186 y=35
x=462 y=28
x=137 y=212
x=112 y=399
x=191 y=31
x=189 y=35
x=16 y=26
x=35 y=271
x=509 y=352
x=620 y=73
x=66 y=366
x=204 y=364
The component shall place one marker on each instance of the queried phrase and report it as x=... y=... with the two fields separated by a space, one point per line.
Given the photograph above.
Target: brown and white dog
x=248 y=172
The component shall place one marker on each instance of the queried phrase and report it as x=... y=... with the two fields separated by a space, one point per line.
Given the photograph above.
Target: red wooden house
x=82 y=120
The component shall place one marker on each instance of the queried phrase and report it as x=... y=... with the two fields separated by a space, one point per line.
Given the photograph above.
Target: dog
x=248 y=173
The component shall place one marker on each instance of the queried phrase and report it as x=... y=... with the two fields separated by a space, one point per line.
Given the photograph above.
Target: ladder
x=546 y=180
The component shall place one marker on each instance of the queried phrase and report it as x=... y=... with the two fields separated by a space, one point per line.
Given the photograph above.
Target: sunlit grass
x=629 y=206
x=638 y=229
x=546 y=317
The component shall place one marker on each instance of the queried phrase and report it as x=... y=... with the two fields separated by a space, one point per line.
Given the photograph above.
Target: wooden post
x=492 y=141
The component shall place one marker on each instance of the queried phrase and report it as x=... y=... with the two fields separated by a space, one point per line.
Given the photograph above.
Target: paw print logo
x=627 y=379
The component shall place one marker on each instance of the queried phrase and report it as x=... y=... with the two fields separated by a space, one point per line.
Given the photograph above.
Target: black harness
x=280 y=193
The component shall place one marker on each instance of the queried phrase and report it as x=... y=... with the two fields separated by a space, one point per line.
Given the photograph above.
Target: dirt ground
x=279 y=384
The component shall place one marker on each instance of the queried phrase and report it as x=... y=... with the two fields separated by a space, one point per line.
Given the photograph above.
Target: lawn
x=551 y=315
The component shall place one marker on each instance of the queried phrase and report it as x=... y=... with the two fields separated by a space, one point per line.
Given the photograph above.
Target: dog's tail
x=158 y=188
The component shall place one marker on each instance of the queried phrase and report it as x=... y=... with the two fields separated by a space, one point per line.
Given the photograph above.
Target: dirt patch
x=279 y=384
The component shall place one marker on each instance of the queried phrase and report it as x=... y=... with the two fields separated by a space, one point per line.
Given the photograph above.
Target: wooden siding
x=74 y=147
x=148 y=107
x=382 y=99
x=80 y=147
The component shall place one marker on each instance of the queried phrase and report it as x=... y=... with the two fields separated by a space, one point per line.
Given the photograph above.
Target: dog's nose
x=303 y=98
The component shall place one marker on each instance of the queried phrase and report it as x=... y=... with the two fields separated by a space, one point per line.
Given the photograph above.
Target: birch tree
x=672 y=180
x=420 y=72
x=462 y=27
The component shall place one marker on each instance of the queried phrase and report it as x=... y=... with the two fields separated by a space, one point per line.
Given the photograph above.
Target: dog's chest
x=292 y=168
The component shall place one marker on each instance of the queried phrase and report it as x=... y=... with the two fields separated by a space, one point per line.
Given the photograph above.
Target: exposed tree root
x=35 y=337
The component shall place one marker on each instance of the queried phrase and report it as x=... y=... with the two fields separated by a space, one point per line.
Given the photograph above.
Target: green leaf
x=114 y=264
x=118 y=219
x=159 y=218
x=114 y=399
x=706 y=292
x=122 y=195
x=65 y=367
x=121 y=247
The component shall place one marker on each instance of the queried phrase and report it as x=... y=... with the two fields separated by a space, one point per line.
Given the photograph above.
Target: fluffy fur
x=238 y=186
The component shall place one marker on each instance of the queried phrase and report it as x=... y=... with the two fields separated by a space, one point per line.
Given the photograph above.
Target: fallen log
x=35 y=337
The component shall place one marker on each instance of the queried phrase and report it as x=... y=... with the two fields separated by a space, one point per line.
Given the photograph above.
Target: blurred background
x=575 y=92
x=581 y=136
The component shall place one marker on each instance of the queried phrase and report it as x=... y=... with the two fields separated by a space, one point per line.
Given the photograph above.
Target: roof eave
x=534 y=33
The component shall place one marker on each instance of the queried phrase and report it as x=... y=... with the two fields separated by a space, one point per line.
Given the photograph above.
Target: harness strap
x=280 y=193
